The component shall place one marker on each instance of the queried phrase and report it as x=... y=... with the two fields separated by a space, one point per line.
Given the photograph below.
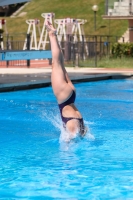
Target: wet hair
x=83 y=131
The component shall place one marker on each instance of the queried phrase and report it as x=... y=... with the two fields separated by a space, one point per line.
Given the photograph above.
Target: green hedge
x=122 y=50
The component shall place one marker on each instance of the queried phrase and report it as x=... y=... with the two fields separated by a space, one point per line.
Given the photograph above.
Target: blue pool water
x=37 y=163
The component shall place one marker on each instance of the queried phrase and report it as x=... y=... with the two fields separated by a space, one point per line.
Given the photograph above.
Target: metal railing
x=88 y=51
x=85 y=52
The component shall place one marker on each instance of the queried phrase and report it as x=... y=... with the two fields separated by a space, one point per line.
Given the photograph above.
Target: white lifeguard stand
x=78 y=29
x=44 y=34
x=4 y=28
x=70 y=26
x=33 y=25
x=61 y=29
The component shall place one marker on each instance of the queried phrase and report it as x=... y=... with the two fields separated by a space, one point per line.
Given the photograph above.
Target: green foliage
x=106 y=62
x=122 y=50
x=119 y=63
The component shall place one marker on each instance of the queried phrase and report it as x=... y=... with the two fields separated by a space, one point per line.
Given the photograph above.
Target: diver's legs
x=61 y=84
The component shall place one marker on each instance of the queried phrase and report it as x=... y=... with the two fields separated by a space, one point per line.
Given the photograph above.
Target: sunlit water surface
x=37 y=163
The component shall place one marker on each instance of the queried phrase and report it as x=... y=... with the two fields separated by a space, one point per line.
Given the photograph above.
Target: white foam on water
x=54 y=119
x=65 y=136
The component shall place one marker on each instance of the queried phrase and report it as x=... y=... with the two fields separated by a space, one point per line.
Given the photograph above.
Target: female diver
x=63 y=89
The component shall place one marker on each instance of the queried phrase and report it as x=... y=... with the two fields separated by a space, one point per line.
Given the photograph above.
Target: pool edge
x=43 y=83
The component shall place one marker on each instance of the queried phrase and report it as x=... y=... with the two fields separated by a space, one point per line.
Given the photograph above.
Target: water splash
x=65 y=136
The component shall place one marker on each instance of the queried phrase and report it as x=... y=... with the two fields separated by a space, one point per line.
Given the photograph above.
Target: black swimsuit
x=70 y=100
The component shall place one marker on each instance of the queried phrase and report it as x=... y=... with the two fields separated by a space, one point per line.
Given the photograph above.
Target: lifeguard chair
x=73 y=27
x=44 y=34
x=33 y=25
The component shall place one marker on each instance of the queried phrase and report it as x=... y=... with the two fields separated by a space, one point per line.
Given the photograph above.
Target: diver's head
x=83 y=131
x=82 y=128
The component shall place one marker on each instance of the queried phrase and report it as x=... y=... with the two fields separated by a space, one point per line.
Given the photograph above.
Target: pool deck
x=12 y=79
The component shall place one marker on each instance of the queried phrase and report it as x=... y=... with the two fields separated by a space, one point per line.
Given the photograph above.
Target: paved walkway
x=25 y=78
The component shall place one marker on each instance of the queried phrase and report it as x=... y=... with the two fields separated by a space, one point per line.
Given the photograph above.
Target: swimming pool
x=37 y=163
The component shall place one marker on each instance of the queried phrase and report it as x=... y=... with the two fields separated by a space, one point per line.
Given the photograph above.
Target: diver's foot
x=50 y=28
